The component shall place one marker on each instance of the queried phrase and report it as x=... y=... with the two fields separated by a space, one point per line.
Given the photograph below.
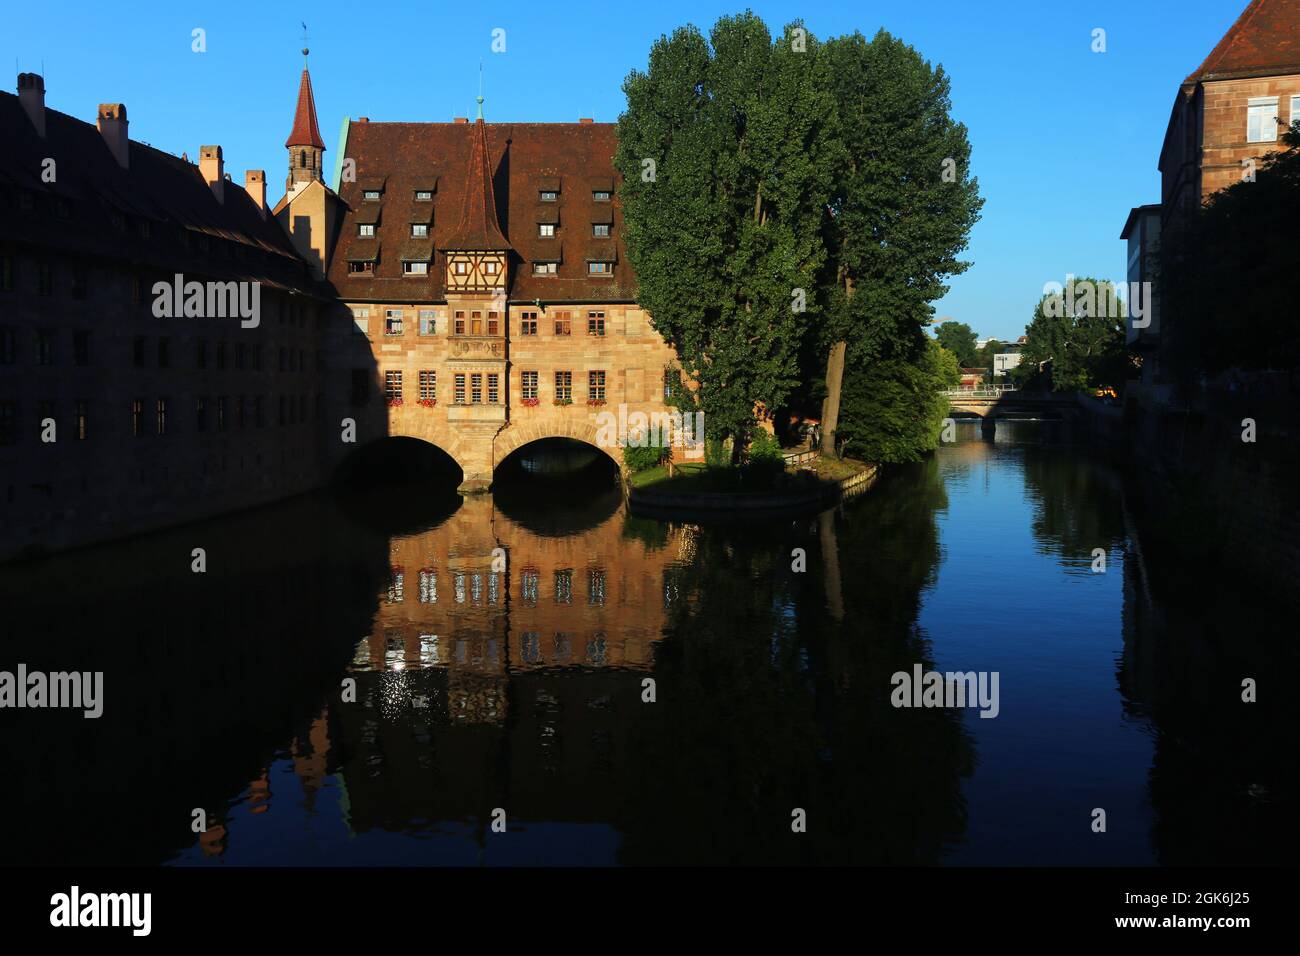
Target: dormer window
x=366 y=230
x=370 y=195
x=600 y=268
x=600 y=195
x=419 y=230
x=415 y=268
x=545 y=268
x=547 y=195
x=546 y=230
x=423 y=195
x=366 y=267
x=600 y=229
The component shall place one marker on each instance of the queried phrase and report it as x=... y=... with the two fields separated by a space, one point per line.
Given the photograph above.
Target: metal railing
x=995 y=391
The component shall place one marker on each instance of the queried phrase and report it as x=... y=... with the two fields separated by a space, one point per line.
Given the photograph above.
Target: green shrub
x=716 y=454
x=641 y=458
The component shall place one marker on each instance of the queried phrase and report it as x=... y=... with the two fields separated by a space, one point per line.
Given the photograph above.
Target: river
x=402 y=676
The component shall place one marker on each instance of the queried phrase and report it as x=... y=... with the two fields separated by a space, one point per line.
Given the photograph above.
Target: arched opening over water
x=557 y=486
x=399 y=484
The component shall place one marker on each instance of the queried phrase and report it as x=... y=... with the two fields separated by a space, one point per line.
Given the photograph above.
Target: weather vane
x=305 y=50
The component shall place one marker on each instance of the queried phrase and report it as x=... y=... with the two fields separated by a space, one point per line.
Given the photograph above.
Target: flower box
x=394 y=402
x=428 y=402
x=529 y=402
x=595 y=402
x=563 y=401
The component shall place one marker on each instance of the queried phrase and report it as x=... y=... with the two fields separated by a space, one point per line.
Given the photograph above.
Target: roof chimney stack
x=112 y=125
x=585 y=120
x=255 y=186
x=31 y=93
x=213 y=169
x=460 y=119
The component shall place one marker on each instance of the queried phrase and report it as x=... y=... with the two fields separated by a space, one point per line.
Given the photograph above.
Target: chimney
x=460 y=119
x=213 y=168
x=112 y=126
x=31 y=93
x=255 y=186
x=585 y=120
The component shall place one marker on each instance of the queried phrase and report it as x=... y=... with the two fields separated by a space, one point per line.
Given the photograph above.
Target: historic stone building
x=115 y=419
x=483 y=265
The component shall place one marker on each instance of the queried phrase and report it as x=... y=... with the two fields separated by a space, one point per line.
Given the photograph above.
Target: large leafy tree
x=894 y=407
x=959 y=339
x=726 y=161
x=902 y=208
x=1078 y=335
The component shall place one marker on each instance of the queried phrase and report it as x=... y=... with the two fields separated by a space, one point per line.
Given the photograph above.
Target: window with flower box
x=596 y=387
x=428 y=387
x=563 y=388
x=392 y=321
x=528 y=386
x=393 y=386
x=428 y=322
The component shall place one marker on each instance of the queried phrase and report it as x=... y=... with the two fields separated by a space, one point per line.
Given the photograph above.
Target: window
x=164 y=353
x=366 y=230
x=415 y=268
x=370 y=195
x=8 y=346
x=428 y=322
x=490 y=267
x=494 y=324
x=428 y=385
x=460 y=322
x=562 y=325
x=459 y=394
x=460 y=267
x=44 y=278
x=494 y=388
x=258 y=417
x=528 y=323
x=528 y=386
x=221 y=355
x=393 y=384
x=600 y=229
x=595 y=587
x=563 y=387
x=423 y=195
x=545 y=268
x=600 y=268
x=1295 y=109
x=595 y=323
x=563 y=587
x=476 y=388
x=361 y=318
x=392 y=321
x=360 y=388
x=419 y=230
x=476 y=323
x=363 y=268
x=6 y=273
x=548 y=195
x=546 y=230
x=221 y=413
x=137 y=351
x=239 y=355
x=137 y=418
x=8 y=423
x=44 y=411
x=1261 y=119
x=200 y=415
x=45 y=347
x=600 y=195
x=528 y=582
x=239 y=411
x=81 y=348
x=161 y=416
x=79 y=282
x=80 y=419
x=596 y=386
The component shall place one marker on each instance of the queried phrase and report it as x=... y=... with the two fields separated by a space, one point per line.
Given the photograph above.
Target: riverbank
x=696 y=488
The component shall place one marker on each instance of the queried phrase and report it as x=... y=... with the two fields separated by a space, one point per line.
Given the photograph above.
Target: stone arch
x=517 y=436
x=356 y=459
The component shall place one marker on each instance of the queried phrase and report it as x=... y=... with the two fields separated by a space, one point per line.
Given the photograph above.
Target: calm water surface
x=522 y=687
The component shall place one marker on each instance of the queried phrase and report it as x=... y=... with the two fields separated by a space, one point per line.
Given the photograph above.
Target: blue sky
x=1064 y=140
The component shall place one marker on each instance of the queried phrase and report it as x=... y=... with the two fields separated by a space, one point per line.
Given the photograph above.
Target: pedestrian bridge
x=1007 y=402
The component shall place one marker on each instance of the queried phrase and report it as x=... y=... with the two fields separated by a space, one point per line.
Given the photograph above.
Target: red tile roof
x=1265 y=41
x=478 y=227
x=305 y=132
x=518 y=162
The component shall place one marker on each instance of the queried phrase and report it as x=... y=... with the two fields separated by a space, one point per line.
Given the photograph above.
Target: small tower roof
x=305 y=132
x=478 y=227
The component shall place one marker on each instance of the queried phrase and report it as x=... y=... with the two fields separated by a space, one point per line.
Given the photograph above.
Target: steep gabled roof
x=1265 y=41
x=305 y=132
x=478 y=227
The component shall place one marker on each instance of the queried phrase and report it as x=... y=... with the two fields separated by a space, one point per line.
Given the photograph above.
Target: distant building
x=973 y=377
x=1004 y=362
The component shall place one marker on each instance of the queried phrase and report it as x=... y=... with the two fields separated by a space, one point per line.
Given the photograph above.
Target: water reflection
x=636 y=691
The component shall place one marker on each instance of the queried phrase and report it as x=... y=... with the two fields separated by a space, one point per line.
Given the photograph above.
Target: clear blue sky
x=1065 y=140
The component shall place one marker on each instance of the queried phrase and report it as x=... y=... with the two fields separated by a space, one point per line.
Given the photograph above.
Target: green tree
x=959 y=339
x=894 y=408
x=902 y=207
x=1079 y=334
x=723 y=223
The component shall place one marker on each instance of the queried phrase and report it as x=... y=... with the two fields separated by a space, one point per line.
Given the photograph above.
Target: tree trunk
x=831 y=404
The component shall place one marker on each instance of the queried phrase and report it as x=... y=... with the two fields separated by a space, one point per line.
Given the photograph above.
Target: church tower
x=306 y=148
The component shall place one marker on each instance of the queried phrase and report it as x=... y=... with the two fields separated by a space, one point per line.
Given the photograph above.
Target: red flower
x=529 y=402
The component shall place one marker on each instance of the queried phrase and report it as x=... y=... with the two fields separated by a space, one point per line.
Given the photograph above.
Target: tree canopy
x=1078 y=335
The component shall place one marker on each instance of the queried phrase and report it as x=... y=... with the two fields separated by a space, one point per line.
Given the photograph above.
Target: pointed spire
x=478 y=227
x=305 y=132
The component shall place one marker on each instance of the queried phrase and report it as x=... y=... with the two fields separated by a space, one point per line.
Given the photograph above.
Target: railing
x=995 y=391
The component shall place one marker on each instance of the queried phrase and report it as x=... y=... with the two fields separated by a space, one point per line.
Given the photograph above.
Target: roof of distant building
x=1265 y=41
